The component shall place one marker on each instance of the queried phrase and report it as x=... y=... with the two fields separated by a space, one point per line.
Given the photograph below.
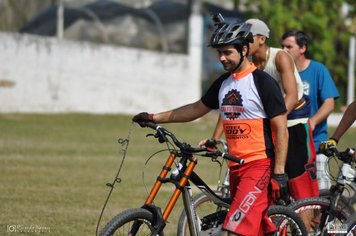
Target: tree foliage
x=324 y=21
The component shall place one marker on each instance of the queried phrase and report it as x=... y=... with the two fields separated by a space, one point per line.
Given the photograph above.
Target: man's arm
x=279 y=127
x=346 y=121
x=219 y=129
x=322 y=114
x=285 y=67
x=185 y=113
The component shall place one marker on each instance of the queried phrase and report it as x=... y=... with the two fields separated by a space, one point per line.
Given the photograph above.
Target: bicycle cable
x=143 y=170
x=124 y=143
x=169 y=148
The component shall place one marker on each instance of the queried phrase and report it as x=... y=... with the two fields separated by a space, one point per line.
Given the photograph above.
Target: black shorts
x=300 y=151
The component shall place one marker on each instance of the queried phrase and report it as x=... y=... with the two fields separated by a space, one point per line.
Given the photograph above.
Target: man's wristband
x=335 y=140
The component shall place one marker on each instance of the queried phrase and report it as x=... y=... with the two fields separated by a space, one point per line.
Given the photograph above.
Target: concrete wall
x=47 y=75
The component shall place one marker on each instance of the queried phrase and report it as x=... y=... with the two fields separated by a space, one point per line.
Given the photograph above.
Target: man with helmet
x=253 y=113
x=301 y=155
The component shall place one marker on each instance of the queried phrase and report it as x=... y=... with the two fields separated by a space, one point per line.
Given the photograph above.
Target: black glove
x=279 y=189
x=211 y=143
x=328 y=148
x=143 y=118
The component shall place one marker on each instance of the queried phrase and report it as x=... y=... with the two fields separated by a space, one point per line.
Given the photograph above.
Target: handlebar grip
x=233 y=158
x=151 y=125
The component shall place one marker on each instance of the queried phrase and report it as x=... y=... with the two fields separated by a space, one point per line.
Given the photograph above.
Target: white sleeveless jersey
x=271 y=69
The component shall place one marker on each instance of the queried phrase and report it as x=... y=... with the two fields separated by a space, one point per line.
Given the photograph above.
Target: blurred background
x=62 y=58
x=45 y=51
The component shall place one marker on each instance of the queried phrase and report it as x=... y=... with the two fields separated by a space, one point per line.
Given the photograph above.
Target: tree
x=322 y=20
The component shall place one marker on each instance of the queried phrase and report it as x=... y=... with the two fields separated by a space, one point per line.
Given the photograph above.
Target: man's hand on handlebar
x=143 y=118
x=279 y=189
x=328 y=148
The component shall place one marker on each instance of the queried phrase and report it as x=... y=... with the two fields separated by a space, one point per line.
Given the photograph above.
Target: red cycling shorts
x=250 y=199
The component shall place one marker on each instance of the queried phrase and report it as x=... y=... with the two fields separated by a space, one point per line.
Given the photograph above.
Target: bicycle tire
x=350 y=192
x=122 y=223
x=287 y=221
x=351 y=225
x=286 y=218
x=316 y=206
x=343 y=202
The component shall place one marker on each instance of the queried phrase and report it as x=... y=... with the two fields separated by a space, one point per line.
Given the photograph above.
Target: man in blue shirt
x=320 y=88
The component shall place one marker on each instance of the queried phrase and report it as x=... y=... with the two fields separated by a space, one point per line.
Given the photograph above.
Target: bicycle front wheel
x=130 y=222
x=287 y=221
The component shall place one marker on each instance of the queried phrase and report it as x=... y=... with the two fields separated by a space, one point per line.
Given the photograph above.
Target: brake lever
x=161 y=137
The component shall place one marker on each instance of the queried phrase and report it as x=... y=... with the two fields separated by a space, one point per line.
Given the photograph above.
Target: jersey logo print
x=232 y=105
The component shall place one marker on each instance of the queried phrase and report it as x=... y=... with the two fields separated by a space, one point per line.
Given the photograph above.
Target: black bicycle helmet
x=237 y=34
x=234 y=33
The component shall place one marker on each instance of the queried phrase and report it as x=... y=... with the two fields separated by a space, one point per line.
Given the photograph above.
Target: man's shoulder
x=317 y=67
x=260 y=74
x=317 y=64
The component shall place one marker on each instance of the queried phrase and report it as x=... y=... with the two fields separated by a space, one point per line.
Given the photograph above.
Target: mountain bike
x=149 y=219
x=328 y=215
x=206 y=207
x=348 y=197
x=342 y=210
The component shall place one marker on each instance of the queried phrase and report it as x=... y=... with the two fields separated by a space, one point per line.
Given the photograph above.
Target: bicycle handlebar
x=162 y=133
x=345 y=156
x=233 y=158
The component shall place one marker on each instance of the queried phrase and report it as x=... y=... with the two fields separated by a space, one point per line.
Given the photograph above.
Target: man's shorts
x=301 y=162
x=250 y=199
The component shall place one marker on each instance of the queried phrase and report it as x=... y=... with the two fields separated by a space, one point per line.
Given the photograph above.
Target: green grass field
x=54 y=170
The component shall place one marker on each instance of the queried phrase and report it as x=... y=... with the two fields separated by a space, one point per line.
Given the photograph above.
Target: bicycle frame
x=346 y=176
x=187 y=163
x=189 y=206
x=182 y=186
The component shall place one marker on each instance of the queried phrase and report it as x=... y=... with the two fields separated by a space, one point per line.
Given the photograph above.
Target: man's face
x=229 y=57
x=258 y=40
x=290 y=45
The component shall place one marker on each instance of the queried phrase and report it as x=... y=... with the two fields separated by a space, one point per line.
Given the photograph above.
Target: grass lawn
x=54 y=170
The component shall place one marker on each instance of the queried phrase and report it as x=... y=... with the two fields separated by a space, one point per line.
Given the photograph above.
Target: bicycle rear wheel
x=212 y=218
x=313 y=208
x=138 y=220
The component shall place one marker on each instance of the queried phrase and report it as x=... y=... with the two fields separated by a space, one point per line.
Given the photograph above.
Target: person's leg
x=250 y=201
x=301 y=167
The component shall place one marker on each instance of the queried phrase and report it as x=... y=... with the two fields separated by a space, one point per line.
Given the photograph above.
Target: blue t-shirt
x=319 y=86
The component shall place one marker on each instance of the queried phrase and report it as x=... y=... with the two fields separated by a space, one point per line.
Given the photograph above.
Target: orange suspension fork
x=165 y=169
x=183 y=181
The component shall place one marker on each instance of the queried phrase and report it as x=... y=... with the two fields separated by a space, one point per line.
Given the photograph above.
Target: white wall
x=47 y=75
